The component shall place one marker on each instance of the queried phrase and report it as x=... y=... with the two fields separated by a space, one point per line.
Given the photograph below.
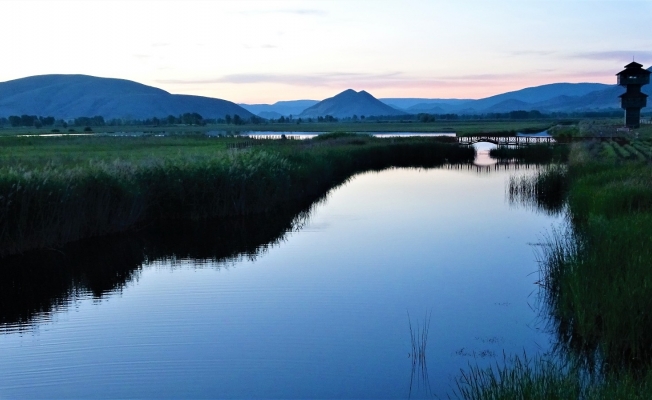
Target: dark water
x=303 y=305
x=311 y=135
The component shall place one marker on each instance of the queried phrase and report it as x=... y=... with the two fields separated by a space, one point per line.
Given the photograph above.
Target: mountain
x=439 y=108
x=282 y=108
x=71 y=96
x=507 y=106
x=349 y=103
x=407 y=103
x=564 y=97
x=269 y=115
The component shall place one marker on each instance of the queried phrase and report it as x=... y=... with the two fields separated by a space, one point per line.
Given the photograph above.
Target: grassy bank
x=462 y=127
x=58 y=190
x=596 y=280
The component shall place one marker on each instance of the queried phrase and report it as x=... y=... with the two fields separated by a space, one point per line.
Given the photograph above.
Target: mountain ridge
x=349 y=103
x=69 y=96
x=76 y=95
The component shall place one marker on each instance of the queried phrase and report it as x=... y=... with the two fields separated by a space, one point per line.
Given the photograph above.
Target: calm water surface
x=320 y=313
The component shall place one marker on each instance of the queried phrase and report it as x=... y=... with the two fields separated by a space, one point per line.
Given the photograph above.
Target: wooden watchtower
x=633 y=77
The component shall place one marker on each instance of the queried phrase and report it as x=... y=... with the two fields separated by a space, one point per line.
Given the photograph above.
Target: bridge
x=527 y=140
x=505 y=140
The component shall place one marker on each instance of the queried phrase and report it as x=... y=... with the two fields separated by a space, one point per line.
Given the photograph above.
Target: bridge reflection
x=511 y=165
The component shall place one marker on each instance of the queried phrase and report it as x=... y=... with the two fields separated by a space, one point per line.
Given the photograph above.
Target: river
x=318 y=306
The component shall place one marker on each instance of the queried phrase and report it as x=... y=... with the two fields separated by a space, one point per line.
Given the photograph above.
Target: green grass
x=596 y=288
x=541 y=377
x=463 y=127
x=621 y=151
x=545 y=190
x=57 y=190
x=608 y=151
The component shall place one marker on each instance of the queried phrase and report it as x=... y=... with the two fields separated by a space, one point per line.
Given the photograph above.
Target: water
x=310 y=135
x=252 y=310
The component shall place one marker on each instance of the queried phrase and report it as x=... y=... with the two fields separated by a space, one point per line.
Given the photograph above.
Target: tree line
x=197 y=119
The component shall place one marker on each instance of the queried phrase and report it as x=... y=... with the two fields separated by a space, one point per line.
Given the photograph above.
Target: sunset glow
x=265 y=51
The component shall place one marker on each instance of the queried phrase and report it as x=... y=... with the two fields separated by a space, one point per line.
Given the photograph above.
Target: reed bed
x=81 y=188
x=520 y=378
x=596 y=290
x=537 y=153
x=597 y=275
x=542 y=377
x=545 y=190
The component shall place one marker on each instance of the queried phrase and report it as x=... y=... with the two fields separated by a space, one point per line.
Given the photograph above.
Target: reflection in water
x=482 y=157
x=544 y=191
x=39 y=283
x=419 y=378
x=320 y=315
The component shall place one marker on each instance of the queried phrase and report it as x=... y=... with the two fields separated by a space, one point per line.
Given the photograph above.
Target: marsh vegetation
x=57 y=190
x=595 y=276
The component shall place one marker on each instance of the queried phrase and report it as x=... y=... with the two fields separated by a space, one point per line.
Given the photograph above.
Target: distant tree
x=228 y=118
x=171 y=120
x=97 y=120
x=237 y=120
x=192 y=119
x=46 y=121
x=27 y=120
x=14 y=120
x=518 y=114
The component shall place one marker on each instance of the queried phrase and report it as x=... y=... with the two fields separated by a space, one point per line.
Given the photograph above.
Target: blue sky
x=265 y=51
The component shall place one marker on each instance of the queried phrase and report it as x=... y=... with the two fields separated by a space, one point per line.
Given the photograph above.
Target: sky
x=266 y=51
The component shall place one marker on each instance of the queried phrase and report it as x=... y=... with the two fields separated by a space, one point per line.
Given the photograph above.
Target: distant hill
x=349 y=103
x=269 y=115
x=282 y=108
x=408 y=103
x=71 y=96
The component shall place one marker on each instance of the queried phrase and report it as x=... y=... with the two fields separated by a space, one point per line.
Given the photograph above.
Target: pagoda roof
x=634 y=67
x=634 y=64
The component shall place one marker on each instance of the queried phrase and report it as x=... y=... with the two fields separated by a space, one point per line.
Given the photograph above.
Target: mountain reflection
x=35 y=285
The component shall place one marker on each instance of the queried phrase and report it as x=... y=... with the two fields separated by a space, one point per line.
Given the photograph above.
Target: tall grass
x=596 y=281
x=597 y=275
x=537 y=153
x=47 y=201
x=545 y=190
x=520 y=378
x=542 y=377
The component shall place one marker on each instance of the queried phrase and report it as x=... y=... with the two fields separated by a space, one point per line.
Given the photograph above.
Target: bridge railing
x=505 y=140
